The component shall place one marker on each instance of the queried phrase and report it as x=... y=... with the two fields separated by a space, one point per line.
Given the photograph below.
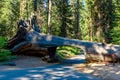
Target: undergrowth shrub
x=2 y=42
x=5 y=54
x=67 y=51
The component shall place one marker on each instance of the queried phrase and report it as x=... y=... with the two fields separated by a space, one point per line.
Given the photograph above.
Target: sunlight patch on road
x=118 y=72
x=22 y=78
x=1 y=76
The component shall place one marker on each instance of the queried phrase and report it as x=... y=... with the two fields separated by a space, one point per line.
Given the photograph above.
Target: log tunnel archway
x=92 y=50
x=28 y=39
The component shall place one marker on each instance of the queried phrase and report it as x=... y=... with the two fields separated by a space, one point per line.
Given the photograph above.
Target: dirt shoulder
x=23 y=62
x=109 y=72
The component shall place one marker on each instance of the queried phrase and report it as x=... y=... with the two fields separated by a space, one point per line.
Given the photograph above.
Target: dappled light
x=59 y=39
x=49 y=38
x=53 y=72
x=93 y=48
x=101 y=71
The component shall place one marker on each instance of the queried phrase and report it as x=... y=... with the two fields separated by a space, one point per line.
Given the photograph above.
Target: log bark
x=29 y=49
x=92 y=50
x=37 y=53
x=33 y=41
x=18 y=38
x=19 y=44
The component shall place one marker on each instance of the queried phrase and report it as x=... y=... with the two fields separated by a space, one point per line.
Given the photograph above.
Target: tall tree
x=77 y=19
x=27 y=9
x=65 y=18
x=86 y=26
x=62 y=12
x=9 y=13
x=41 y=15
x=49 y=16
x=115 y=22
x=102 y=19
x=90 y=22
x=21 y=8
x=99 y=20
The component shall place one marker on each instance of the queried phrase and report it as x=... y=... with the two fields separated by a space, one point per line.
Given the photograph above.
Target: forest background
x=91 y=20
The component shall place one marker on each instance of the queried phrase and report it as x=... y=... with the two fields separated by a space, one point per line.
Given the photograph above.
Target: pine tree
x=9 y=16
x=77 y=19
x=100 y=19
x=115 y=23
x=86 y=24
x=66 y=27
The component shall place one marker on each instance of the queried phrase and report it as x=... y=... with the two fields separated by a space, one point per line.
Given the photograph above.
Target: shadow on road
x=51 y=72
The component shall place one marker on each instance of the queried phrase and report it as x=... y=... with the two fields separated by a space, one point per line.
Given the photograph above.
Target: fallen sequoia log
x=25 y=47
x=92 y=50
x=32 y=42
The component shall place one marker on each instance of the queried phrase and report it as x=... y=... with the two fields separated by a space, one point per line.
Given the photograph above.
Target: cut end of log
x=91 y=58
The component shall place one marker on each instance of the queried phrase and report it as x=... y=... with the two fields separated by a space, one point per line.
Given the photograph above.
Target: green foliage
x=65 y=17
x=9 y=13
x=67 y=51
x=115 y=34
x=63 y=12
x=115 y=29
x=2 y=42
x=4 y=55
x=84 y=21
x=55 y=21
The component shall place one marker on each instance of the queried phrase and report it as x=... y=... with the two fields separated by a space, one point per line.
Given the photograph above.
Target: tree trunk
x=21 y=8
x=76 y=23
x=35 y=5
x=63 y=13
x=49 y=16
x=91 y=27
x=27 y=9
x=101 y=17
x=92 y=50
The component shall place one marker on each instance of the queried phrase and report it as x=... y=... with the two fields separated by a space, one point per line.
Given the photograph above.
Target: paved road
x=51 y=72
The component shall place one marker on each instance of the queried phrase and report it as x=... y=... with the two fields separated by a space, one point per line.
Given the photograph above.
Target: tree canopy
x=91 y=20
